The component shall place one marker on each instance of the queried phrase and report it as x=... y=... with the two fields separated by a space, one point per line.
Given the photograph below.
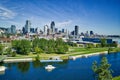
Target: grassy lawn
x=73 y=51
x=79 y=51
x=116 y=78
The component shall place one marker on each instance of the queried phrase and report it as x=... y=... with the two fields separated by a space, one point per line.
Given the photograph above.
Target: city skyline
x=101 y=16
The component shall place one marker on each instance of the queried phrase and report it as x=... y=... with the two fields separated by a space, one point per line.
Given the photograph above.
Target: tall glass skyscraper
x=45 y=29
x=52 y=27
x=13 y=29
x=27 y=26
x=76 y=30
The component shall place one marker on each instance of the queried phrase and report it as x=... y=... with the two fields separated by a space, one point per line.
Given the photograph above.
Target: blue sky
x=101 y=16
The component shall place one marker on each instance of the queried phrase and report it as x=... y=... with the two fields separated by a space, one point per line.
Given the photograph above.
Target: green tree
x=21 y=46
x=1 y=49
x=38 y=50
x=88 y=46
x=25 y=46
x=103 y=42
x=102 y=71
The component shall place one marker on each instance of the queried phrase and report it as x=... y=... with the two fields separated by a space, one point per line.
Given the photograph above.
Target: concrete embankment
x=18 y=60
x=86 y=55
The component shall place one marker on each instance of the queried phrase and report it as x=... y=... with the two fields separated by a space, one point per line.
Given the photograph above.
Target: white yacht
x=49 y=67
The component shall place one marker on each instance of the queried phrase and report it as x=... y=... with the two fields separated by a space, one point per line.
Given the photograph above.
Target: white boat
x=49 y=67
x=2 y=68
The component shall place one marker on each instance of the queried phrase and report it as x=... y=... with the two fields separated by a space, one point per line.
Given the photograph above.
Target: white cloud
x=6 y=13
x=63 y=24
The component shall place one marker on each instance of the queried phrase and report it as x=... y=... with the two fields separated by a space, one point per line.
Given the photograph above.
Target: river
x=79 y=69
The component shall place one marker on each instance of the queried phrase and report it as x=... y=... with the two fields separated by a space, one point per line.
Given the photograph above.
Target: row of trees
x=105 y=44
x=1 y=48
x=50 y=46
x=39 y=46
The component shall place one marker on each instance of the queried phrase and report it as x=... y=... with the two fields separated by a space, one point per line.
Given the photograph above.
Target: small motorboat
x=49 y=67
x=2 y=68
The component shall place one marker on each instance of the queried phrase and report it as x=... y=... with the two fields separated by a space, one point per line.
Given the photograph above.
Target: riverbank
x=87 y=55
x=17 y=60
x=12 y=60
x=74 y=52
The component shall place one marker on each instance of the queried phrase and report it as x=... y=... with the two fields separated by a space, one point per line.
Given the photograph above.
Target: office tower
x=56 y=30
x=23 y=30
x=76 y=30
x=48 y=31
x=27 y=26
x=73 y=32
x=8 y=30
x=32 y=30
x=52 y=27
x=45 y=29
x=91 y=33
x=13 y=29
x=86 y=34
x=63 y=30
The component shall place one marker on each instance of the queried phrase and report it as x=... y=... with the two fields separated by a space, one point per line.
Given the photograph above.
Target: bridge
x=2 y=58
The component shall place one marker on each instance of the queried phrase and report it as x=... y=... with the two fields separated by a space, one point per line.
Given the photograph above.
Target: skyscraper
x=52 y=27
x=63 y=30
x=45 y=29
x=27 y=26
x=76 y=30
x=13 y=29
x=56 y=30
x=91 y=33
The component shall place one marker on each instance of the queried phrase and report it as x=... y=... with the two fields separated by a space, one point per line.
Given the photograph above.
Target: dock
x=51 y=60
x=18 y=60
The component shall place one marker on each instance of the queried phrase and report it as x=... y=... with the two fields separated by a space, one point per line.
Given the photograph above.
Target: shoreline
x=18 y=60
x=87 y=55
x=69 y=57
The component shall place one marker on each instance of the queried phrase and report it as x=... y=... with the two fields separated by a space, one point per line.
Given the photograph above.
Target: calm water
x=79 y=69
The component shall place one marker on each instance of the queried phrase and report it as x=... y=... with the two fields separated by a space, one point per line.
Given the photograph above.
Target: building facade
x=52 y=26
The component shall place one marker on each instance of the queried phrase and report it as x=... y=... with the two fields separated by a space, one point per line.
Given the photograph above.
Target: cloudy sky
x=101 y=16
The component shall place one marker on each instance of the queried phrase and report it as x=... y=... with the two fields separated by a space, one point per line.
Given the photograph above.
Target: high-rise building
x=8 y=30
x=45 y=29
x=76 y=30
x=91 y=33
x=63 y=30
x=56 y=30
x=32 y=30
x=73 y=32
x=23 y=30
x=48 y=31
x=13 y=29
x=27 y=26
x=52 y=27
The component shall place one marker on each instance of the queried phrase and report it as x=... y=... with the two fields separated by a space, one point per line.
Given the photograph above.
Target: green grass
x=79 y=51
x=73 y=51
x=116 y=78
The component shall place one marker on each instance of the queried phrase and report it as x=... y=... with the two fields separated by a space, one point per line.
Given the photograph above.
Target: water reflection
x=36 y=64
x=2 y=72
x=23 y=66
